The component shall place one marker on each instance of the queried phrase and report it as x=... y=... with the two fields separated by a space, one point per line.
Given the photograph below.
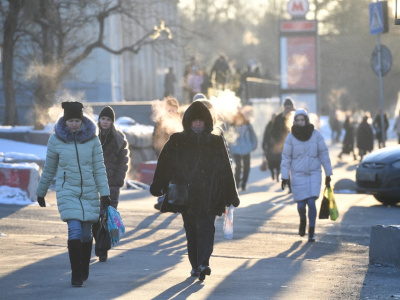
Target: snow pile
x=11 y=195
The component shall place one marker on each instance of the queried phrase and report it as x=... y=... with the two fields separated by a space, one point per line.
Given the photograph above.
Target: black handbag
x=103 y=239
x=324 y=210
x=178 y=193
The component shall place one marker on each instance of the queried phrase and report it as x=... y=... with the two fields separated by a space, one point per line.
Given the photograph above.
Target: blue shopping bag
x=116 y=227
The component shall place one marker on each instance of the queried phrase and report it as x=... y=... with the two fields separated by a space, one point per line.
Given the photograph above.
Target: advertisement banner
x=298 y=62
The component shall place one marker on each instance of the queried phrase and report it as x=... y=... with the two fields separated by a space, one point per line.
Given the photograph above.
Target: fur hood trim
x=84 y=134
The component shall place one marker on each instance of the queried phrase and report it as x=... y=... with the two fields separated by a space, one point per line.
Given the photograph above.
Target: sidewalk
x=265 y=260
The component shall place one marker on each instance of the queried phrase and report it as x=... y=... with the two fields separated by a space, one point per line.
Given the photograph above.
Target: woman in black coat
x=348 y=141
x=365 y=138
x=198 y=158
x=116 y=159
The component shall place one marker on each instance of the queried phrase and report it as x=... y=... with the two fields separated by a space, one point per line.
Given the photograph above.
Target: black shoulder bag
x=178 y=193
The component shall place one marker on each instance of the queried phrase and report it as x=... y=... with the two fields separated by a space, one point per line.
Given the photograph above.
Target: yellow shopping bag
x=333 y=209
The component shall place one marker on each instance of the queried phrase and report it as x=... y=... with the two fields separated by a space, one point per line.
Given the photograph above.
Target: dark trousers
x=238 y=169
x=200 y=231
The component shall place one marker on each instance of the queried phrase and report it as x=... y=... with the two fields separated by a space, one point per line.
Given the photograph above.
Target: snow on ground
x=11 y=195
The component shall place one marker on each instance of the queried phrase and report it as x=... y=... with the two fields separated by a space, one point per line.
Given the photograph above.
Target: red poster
x=301 y=65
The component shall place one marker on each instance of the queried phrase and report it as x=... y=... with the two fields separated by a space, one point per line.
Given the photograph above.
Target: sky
x=19 y=150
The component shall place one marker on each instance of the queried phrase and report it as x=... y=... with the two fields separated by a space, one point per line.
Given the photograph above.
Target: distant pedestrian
x=303 y=154
x=222 y=73
x=365 y=137
x=377 y=124
x=348 y=141
x=397 y=127
x=169 y=83
x=274 y=137
x=197 y=158
x=116 y=159
x=74 y=157
x=245 y=141
x=194 y=82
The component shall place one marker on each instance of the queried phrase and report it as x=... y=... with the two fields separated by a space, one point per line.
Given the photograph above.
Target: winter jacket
x=76 y=160
x=116 y=159
x=303 y=159
x=365 y=137
x=246 y=140
x=200 y=160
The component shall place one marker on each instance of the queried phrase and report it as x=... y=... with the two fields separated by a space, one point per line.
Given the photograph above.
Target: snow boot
x=302 y=228
x=86 y=255
x=75 y=258
x=311 y=235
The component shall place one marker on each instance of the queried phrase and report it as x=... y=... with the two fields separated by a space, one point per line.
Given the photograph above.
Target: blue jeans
x=312 y=210
x=78 y=230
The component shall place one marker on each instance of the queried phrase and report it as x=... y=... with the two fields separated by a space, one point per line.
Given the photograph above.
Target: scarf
x=303 y=133
x=197 y=131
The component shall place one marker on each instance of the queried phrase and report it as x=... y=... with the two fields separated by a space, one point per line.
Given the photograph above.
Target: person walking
x=169 y=83
x=365 y=137
x=244 y=143
x=116 y=159
x=303 y=154
x=377 y=124
x=198 y=158
x=74 y=156
x=397 y=127
x=348 y=141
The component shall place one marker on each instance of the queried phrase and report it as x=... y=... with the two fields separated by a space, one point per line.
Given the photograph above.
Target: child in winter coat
x=74 y=156
x=303 y=154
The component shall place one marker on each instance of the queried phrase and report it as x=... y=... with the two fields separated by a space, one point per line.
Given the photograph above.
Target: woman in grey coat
x=75 y=158
x=303 y=154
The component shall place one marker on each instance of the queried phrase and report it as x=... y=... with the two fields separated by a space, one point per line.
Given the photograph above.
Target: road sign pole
x=380 y=89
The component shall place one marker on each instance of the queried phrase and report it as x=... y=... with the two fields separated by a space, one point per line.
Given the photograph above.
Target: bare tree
x=59 y=34
x=9 y=38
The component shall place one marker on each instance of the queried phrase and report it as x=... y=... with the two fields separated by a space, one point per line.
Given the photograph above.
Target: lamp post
x=396 y=8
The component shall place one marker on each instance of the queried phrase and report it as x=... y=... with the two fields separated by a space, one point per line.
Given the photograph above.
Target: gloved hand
x=236 y=202
x=41 y=201
x=328 y=181
x=284 y=183
x=105 y=201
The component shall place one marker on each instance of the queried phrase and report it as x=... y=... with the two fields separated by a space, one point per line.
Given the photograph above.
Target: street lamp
x=396 y=8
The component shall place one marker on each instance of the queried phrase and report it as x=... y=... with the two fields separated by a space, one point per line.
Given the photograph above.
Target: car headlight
x=396 y=164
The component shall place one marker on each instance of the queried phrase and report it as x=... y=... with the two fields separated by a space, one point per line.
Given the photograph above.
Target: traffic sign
x=386 y=60
x=378 y=17
x=297 y=8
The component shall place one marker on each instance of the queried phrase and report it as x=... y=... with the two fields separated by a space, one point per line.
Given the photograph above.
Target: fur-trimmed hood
x=84 y=134
x=197 y=110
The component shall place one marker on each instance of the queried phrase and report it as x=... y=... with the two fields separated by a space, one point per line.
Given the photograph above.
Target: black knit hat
x=72 y=110
x=107 y=111
x=288 y=101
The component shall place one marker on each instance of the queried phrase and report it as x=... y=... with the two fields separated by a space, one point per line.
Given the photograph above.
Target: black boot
x=302 y=228
x=311 y=235
x=75 y=258
x=86 y=255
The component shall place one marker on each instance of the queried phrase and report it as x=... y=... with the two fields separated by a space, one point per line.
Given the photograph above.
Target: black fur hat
x=197 y=111
x=72 y=110
x=107 y=111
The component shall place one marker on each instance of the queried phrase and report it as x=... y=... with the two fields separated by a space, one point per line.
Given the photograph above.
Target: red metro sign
x=297 y=8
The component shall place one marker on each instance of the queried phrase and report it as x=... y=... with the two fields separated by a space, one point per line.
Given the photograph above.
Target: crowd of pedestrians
x=197 y=149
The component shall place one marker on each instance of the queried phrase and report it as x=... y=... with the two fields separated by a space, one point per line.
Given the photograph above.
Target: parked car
x=379 y=174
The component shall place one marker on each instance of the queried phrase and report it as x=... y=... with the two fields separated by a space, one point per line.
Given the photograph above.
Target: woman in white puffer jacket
x=303 y=154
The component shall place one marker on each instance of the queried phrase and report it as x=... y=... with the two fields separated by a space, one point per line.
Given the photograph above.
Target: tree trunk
x=10 y=27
